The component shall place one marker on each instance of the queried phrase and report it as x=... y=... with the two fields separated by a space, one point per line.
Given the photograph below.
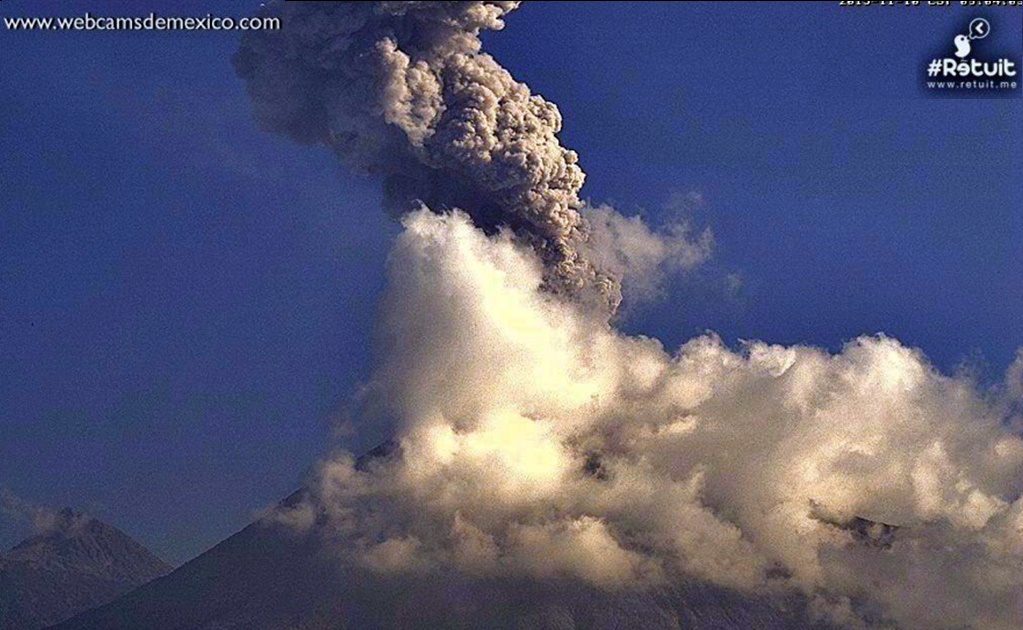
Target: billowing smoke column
x=535 y=442
x=401 y=89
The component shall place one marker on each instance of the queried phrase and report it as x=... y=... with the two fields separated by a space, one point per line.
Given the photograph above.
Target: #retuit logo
x=967 y=71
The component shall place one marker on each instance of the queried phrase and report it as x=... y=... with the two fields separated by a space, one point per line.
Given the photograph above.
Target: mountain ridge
x=272 y=577
x=75 y=563
x=267 y=577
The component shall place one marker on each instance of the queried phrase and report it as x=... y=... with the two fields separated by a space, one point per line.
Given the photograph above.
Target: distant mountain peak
x=72 y=563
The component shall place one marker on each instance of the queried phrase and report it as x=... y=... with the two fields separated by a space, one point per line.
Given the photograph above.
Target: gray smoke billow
x=41 y=518
x=401 y=90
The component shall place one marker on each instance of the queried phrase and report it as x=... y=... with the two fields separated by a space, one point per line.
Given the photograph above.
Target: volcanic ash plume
x=535 y=443
x=401 y=89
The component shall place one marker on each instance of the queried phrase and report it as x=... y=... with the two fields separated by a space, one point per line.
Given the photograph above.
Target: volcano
x=77 y=563
x=270 y=577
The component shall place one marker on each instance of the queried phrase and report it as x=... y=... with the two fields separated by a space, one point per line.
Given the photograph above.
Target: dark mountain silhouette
x=266 y=577
x=77 y=563
x=269 y=577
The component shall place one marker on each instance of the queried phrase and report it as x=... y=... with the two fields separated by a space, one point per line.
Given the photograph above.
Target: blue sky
x=186 y=302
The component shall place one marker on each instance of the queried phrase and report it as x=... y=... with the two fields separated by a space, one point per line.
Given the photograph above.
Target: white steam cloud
x=641 y=258
x=536 y=442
